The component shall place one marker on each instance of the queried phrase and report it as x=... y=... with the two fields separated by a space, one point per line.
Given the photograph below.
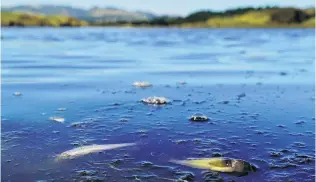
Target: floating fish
x=142 y=84
x=155 y=100
x=61 y=109
x=219 y=164
x=198 y=117
x=17 y=93
x=57 y=119
x=84 y=150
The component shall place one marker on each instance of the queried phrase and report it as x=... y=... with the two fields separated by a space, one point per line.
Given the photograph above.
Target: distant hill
x=31 y=19
x=96 y=14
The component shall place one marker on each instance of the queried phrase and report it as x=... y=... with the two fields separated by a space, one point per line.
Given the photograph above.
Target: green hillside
x=27 y=19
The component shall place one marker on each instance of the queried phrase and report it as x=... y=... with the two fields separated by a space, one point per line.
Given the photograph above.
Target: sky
x=171 y=7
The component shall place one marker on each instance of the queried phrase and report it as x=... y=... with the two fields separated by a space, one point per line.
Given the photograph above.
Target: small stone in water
x=57 y=119
x=198 y=117
x=155 y=100
x=142 y=84
x=17 y=93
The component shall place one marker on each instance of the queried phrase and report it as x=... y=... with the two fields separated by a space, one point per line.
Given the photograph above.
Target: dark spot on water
x=275 y=154
x=300 y=122
x=283 y=73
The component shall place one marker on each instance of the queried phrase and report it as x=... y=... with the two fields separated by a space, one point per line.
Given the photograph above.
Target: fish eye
x=228 y=162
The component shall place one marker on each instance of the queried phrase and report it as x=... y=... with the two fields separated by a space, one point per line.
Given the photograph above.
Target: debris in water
x=57 y=119
x=224 y=102
x=283 y=73
x=198 y=117
x=220 y=164
x=182 y=82
x=61 y=109
x=275 y=154
x=123 y=120
x=84 y=150
x=17 y=93
x=142 y=84
x=241 y=96
x=87 y=172
x=155 y=100
x=300 y=122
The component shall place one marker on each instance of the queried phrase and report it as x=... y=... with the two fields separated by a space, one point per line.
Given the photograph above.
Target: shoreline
x=168 y=27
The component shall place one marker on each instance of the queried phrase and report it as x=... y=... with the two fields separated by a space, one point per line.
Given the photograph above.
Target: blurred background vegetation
x=239 y=17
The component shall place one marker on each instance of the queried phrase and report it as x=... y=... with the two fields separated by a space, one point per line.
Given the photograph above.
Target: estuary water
x=257 y=86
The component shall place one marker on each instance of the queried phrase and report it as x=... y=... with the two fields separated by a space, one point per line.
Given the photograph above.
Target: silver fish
x=84 y=150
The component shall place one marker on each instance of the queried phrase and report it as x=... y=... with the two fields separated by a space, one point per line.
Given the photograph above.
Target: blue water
x=90 y=71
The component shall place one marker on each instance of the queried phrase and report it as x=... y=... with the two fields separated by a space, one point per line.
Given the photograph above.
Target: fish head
x=242 y=166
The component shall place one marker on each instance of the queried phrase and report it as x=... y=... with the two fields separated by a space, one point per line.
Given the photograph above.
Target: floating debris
x=220 y=164
x=275 y=154
x=61 y=109
x=17 y=93
x=283 y=73
x=87 y=172
x=142 y=84
x=78 y=124
x=57 y=119
x=224 y=102
x=84 y=150
x=182 y=82
x=155 y=100
x=198 y=117
x=239 y=96
x=300 y=122
x=123 y=120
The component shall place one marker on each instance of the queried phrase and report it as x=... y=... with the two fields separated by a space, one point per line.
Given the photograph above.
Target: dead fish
x=17 y=93
x=142 y=84
x=61 y=109
x=199 y=117
x=219 y=164
x=57 y=119
x=84 y=150
x=155 y=100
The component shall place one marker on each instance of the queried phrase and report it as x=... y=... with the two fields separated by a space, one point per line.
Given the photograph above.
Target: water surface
x=90 y=71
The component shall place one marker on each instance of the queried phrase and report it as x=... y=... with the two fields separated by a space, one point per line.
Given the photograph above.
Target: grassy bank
x=24 y=19
x=235 y=18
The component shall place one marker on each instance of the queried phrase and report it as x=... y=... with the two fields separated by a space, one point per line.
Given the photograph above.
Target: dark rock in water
x=289 y=15
x=275 y=154
x=198 y=117
x=87 y=172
